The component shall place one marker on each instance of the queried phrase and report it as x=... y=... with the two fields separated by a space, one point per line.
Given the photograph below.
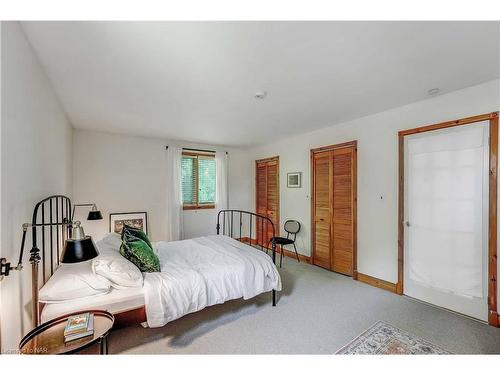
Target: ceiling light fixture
x=434 y=91
x=259 y=95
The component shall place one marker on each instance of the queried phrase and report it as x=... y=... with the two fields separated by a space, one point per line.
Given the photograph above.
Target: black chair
x=292 y=227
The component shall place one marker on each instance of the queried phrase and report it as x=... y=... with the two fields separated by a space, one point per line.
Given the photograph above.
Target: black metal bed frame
x=248 y=218
x=51 y=225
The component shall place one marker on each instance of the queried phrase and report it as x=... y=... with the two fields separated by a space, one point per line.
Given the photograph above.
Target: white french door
x=446 y=218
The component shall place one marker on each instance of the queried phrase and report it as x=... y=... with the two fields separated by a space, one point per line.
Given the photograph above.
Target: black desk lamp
x=94 y=213
x=78 y=248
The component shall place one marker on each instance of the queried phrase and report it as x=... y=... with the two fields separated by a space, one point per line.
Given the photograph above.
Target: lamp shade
x=79 y=250
x=94 y=215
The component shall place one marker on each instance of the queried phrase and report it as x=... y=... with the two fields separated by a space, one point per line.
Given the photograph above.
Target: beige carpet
x=319 y=312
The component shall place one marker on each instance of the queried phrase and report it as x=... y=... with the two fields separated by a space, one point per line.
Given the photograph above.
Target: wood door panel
x=261 y=182
x=272 y=198
x=343 y=262
x=322 y=236
x=342 y=232
x=261 y=200
x=267 y=198
x=341 y=183
x=343 y=216
x=334 y=207
x=343 y=244
x=322 y=196
x=342 y=161
x=341 y=202
x=342 y=238
x=322 y=208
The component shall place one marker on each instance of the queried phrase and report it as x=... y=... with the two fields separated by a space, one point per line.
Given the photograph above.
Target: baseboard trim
x=291 y=254
x=287 y=253
x=373 y=281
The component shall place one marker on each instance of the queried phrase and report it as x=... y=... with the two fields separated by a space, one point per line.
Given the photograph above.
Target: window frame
x=197 y=205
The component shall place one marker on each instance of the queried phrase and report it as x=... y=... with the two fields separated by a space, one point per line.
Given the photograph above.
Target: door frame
x=277 y=159
x=354 y=145
x=493 y=316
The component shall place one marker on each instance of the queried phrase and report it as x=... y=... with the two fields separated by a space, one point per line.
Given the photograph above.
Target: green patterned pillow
x=139 y=252
x=135 y=232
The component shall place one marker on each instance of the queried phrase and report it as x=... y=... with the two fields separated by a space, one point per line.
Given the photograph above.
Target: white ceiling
x=195 y=81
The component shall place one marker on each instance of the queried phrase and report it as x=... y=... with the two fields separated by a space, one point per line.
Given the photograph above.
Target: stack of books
x=79 y=326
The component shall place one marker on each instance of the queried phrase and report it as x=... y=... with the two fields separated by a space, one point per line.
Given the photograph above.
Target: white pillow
x=119 y=271
x=71 y=281
x=111 y=241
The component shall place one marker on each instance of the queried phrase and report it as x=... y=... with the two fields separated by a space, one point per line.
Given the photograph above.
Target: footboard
x=243 y=225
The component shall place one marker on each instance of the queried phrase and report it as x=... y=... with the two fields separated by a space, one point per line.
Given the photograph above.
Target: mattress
x=116 y=301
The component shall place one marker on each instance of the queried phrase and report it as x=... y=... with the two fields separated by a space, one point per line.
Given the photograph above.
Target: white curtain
x=221 y=180
x=174 y=194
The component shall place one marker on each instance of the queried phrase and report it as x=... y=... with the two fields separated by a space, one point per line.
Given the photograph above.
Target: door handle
x=407 y=223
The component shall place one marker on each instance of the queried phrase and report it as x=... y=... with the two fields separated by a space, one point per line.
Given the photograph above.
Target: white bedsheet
x=202 y=272
x=116 y=301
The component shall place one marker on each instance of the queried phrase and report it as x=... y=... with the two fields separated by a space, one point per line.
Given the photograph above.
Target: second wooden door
x=267 y=197
x=334 y=207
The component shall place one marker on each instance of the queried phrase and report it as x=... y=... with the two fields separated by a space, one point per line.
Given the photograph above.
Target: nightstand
x=48 y=338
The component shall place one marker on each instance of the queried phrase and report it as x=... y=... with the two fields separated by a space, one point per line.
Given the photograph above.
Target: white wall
x=127 y=173
x=377 y=170
x=35 y=161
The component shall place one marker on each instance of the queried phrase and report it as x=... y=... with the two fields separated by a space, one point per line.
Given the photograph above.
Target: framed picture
x=133 y=219
x=294 y=179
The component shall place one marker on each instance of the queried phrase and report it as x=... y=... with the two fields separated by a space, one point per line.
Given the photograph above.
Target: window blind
x=206 y=180
x=198 y=180
x=188 y=180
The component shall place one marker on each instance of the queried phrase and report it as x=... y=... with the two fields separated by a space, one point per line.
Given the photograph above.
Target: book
x=80 y=334
x=77 y=324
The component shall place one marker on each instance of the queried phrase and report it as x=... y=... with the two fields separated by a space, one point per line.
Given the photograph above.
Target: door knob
x=407 y=223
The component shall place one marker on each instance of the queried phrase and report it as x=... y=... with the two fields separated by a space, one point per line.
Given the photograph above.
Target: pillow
x=110 y=242
x=71 y=281
x=135 y=232
x=118 y=270
x=139 y=252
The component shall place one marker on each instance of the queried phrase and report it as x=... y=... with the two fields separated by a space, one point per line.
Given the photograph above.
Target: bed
x=195 y=273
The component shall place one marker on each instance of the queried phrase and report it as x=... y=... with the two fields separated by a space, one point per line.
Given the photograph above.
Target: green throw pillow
x=140 y=252
x=136 y=232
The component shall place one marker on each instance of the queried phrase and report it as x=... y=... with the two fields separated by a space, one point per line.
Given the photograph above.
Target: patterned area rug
x=383 y=338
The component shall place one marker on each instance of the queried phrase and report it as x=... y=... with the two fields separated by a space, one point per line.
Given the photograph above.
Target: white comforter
x=202 y=272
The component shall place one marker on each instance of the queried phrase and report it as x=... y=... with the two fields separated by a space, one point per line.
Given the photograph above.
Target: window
x=198 y=181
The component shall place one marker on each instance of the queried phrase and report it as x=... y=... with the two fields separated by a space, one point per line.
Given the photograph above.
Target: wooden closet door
x=322 y=234
x=261 y=198
x=267 y=198
x=272 y=198
x=334 y=207
x=342 y=216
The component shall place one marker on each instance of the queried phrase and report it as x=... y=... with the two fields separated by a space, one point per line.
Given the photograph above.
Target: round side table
x=48 y=338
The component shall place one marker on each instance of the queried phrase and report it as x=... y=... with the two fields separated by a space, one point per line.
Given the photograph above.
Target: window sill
x=201 y=207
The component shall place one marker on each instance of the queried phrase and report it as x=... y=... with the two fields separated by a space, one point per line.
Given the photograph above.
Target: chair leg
x=296 y=253
x=281 y=255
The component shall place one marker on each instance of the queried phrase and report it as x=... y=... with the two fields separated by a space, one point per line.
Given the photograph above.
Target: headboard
x=242 y=225
x=51 y=226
